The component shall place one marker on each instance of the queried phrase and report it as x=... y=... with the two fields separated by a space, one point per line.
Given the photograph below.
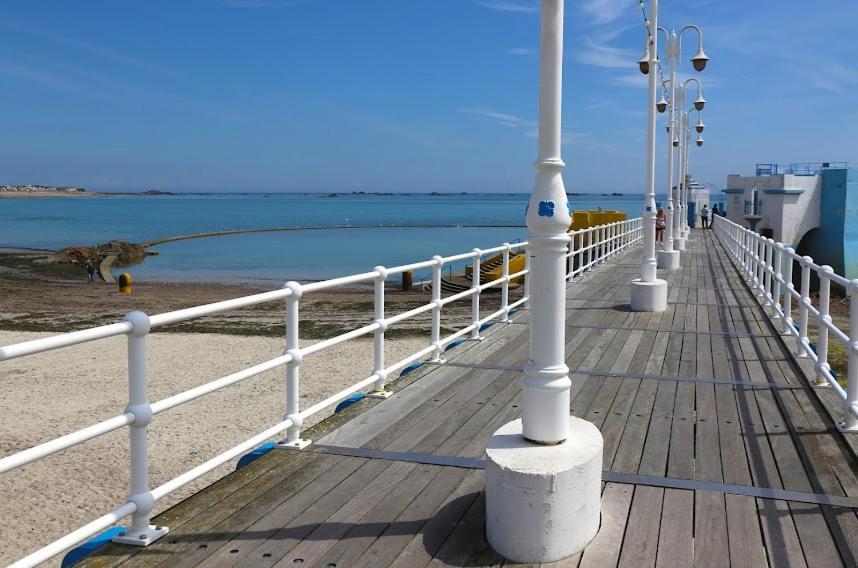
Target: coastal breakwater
x=228 y=232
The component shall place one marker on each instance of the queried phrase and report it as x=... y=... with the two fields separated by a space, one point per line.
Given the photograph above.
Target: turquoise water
x=274 y=257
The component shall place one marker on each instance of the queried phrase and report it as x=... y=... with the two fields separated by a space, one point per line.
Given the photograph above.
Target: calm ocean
x=54 y=223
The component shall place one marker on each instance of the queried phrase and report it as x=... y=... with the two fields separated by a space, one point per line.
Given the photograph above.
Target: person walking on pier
x=704 y=216
x=660 y=224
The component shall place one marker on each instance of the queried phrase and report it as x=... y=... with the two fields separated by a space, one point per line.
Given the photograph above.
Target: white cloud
x=524 y=6
x=602 y=55
x=501 y=118
x=531 y=129
x=605 y=11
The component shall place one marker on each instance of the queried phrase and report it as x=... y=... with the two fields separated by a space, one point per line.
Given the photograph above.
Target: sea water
x=54 y=223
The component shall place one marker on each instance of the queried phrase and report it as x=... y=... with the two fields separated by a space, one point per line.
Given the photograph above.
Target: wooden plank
x=676 y=537
x=604 y=550
x=782 y=543
x=641 y=542
x=711 y=547
x=743 y=532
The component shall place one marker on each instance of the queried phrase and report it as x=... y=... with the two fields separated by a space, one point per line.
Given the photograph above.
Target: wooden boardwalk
x=716 y=451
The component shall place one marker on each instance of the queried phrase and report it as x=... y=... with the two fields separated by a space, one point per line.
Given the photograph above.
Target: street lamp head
x=676 y=142
x=643 y=62
x=700 y=141
x=699 y=60
x=700 y=126
x=661 y=105
x=700 y=102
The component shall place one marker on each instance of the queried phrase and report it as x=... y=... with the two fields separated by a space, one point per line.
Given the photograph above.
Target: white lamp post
x=649 y=293
x=668 y=258
x=681 y=223
x=543 y=479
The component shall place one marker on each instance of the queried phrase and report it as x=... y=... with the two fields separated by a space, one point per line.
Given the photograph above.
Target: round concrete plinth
x=678 y=243
x=543 y=502
x=649 y=296
x=668 y=259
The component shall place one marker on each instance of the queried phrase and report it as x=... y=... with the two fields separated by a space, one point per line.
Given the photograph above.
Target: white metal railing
x=768 y=268
x=587 y=249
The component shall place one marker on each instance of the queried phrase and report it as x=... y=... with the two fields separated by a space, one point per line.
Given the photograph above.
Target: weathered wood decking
x=716 y=451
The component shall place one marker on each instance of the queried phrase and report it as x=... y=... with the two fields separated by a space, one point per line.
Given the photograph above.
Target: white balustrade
x=754 y=257
x=588 y=248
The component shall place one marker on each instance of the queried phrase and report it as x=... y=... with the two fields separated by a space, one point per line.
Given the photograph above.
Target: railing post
x=293 y=439
x=475 y=297
x=777 y=288
x=378 y=390
x=505 y=285
x=580 y=252
x=851 y=402
x=767 y=275
x=788 y=324
x=570 y=259
x=139 y=532
x=821 y=329
x=590 y=245
x=436 y=310
x=803 y=306
x=527 y=275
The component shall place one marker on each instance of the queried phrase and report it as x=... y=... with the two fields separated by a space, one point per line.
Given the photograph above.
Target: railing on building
x=768 y=267
x=798 y=169
x=587 y=249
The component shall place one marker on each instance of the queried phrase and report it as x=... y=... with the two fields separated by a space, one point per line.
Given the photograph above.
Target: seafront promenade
x=717 y=449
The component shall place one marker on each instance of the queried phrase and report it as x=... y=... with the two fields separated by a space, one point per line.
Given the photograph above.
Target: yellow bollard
x=125 y=283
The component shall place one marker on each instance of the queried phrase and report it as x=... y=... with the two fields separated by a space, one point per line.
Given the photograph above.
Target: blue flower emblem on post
x=546 y=209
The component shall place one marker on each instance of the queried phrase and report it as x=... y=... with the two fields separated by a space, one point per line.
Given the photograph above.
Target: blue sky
x=399 y=95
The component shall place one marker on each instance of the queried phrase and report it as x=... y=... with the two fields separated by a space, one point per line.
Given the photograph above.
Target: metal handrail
x=768 y=268
x=587 y=249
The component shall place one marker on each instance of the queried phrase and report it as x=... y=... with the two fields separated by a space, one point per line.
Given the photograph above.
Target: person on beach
x=660 y=224
x=704 y=216
x=90 y=271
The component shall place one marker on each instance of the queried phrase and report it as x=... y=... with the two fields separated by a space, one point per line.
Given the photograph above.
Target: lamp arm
x=699 y=36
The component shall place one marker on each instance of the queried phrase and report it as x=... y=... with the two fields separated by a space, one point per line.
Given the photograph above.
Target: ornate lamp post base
x=678 y=243
x=542 y=501
x=649 y=296
x=668 y=259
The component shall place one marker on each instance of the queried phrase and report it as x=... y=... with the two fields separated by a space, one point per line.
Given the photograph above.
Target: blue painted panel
x=77 y=554
x=835 y=242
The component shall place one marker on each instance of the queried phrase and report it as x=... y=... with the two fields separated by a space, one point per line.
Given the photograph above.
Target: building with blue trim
x=812 y=207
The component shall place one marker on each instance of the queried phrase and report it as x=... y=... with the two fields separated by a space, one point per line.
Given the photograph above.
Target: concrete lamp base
x=668 y=259
x=649 y=296
x=543 y=501
x=678 y=243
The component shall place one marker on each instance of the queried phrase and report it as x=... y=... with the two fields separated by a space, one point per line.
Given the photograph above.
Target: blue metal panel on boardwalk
x=77 y=554
x=692 y=214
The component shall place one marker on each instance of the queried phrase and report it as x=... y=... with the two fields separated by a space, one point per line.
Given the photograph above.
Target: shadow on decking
x=757 y=438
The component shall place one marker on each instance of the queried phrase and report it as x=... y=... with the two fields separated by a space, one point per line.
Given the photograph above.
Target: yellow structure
x=125 y=283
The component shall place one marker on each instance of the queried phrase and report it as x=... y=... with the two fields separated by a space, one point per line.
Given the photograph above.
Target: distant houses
x=33 y=188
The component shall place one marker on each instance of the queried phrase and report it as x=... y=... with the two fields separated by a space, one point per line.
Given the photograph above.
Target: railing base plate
x=298 y=444
x=152 y=534
x=379 y=394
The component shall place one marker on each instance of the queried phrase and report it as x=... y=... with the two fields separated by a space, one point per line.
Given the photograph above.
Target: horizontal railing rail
x=587 y=249
x=768 y=266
